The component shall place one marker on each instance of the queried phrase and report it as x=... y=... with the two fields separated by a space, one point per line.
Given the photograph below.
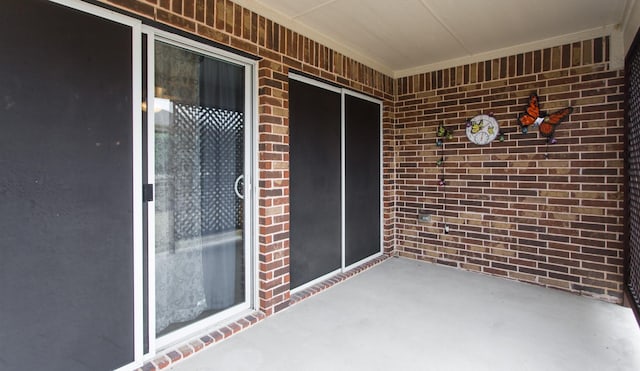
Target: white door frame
x=343 y=92
x=346 y=92
x=136 y=113
x=250 y=171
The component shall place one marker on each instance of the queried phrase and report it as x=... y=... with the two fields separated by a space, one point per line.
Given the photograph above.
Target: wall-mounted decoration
x=546 y=124
x=442 y=134
x=483 y=129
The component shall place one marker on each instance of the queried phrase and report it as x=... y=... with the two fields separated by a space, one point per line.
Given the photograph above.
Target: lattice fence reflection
x=208 y=157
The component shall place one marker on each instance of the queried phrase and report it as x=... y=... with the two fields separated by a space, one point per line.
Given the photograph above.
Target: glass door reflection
x=199 y=134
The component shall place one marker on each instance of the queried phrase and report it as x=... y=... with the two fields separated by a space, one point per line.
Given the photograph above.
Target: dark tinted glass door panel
x=66 y=219
x=315 y=187
x=362 y=179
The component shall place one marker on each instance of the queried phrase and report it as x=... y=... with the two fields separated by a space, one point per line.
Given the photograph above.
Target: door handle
x=235 y=187
x=147 y=192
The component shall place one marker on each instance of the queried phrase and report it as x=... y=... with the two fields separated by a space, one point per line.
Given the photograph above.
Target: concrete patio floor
x=409 y=315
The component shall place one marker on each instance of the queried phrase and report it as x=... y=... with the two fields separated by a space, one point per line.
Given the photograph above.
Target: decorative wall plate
x=482 y=129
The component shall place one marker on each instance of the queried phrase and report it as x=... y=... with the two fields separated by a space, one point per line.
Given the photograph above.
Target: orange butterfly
x=546 y=123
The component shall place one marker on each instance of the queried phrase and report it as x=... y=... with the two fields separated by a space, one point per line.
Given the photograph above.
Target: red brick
x=494 y=193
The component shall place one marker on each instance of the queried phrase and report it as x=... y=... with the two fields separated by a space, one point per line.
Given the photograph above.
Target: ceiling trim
x=611 y=30
x=630 y=23
x=323 y=39
x=617 y=48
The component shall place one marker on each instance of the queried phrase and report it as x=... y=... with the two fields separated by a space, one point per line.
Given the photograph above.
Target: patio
x=409 y=315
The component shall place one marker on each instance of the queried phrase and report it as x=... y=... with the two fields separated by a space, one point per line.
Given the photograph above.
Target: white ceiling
x=401 y=37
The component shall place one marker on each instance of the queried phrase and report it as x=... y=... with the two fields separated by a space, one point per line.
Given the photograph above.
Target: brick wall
x=280 y=49
x=555 y=222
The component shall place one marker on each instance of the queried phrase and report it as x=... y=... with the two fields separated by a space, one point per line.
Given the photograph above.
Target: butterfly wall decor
x=546 y=123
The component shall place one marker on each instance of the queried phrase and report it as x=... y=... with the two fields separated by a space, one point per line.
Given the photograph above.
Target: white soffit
x=405 y=37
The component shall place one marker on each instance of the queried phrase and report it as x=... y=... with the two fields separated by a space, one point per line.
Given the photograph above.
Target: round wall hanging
x=482 y=129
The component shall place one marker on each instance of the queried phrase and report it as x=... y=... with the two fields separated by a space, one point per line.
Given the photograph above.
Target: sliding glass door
x=68 y=189
x=335 y=180
x=200 y=146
